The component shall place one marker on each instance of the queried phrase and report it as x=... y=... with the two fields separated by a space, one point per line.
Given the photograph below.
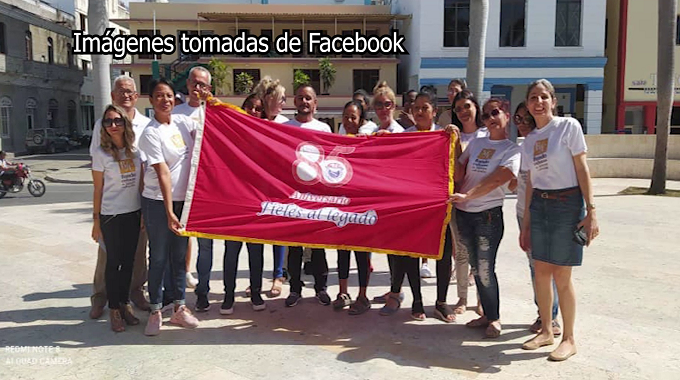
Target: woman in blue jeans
x=484 y=167
x=556 y=224
x=167 y=143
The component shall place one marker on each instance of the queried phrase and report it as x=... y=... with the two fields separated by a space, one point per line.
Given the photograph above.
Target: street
x=55 y=193
x=626 y=322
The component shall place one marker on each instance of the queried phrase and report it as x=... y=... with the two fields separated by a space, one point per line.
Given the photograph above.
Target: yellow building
x=353 y=71
x=630 y=73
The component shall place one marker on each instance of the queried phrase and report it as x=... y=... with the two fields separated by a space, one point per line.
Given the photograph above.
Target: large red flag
x=257 y=181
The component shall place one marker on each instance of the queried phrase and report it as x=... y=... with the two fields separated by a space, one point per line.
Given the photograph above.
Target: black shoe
x=293 y=299
x=258 y=302
x=323 y=298
x=202 y=303
x=227 y=307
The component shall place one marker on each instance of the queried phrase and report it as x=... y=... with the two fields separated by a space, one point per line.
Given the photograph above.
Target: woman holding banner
x=167 y=142
x=484 y=167
x=353 y=117
x=273 y=96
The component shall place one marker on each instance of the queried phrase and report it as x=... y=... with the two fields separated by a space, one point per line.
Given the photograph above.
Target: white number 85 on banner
x=312 y=166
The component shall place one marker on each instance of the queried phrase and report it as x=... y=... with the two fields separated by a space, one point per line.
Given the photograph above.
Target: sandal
x=361 y=306
x=417 y=311
x=342 y=301
x=460 y=307
x=276 y=287
x=479 y=322
x=493 y=330
x=386 y=310
x=444 y=312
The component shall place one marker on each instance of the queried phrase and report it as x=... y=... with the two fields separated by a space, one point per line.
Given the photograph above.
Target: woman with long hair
x=484 y=167
x=456 y=86
x=467 y=117
x=556 y=224
x=116 y=174
x=525 y=124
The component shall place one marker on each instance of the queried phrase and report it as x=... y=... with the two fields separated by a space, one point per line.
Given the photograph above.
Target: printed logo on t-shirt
x=541 y=154
x=481 y=164
x=128 y=172
x=178 y=141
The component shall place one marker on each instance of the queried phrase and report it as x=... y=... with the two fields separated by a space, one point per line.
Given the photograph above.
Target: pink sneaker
x=184 y=318
x=153 y=325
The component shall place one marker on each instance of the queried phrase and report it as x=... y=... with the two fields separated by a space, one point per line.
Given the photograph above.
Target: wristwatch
x=590 y=206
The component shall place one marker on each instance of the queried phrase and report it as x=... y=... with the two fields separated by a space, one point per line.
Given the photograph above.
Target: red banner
x=257 y=181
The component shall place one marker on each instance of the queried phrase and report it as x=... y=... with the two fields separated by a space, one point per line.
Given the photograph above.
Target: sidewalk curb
x=69 y=181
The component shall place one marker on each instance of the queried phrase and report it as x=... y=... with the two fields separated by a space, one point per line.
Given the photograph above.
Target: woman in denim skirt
x=484 y=167
x=555 y=217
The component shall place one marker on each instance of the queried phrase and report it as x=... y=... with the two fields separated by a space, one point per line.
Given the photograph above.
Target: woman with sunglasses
x=384 y=104
x=253 y=106
x=167 y=143
x=116 y=174
x=424 y=111
x=525 y=124
x=273 y=97
x=484 y=167
x=455 y=87
x=556 y=224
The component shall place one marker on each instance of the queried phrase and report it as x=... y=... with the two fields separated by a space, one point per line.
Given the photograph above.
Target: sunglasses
x=465 y=107
x=494 y=113
x=528 y=120
x=119 y=122
x=381 y=105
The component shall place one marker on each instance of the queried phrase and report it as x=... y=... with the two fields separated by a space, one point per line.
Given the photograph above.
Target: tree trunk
x=665 y=91
x=479 y=15
x=98 y=21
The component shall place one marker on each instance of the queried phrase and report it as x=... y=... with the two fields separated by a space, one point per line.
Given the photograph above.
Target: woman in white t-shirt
x=556 y=225
x=352 y=118
x=384 y=104
x=454 y=88
x=116 y=173
x=484 y=167
x=467 y=117
x=273 y=96
x=167 y=143
x=525 y=124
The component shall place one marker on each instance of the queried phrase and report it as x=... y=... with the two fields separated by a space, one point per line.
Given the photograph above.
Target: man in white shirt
x=306 y=103
x=198 y=86
x=124 y=94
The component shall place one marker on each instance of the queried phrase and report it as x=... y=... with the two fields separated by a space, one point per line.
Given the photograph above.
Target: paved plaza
x=626 y=328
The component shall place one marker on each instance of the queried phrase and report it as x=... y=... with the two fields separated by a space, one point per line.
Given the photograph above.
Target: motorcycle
x=15 y=183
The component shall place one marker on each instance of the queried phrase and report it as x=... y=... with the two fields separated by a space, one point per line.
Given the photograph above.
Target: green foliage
x=327 y=73
x=244 y=83
x=300 y=78
x=220 y=75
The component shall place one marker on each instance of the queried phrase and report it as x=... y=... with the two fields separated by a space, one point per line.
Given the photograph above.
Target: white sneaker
x=425 y=272
x=191 y=281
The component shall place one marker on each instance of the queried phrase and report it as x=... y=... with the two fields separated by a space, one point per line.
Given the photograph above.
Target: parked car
x=46 y=140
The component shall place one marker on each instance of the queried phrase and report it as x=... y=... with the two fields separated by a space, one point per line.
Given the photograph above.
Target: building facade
x=353 y=71
x=630 y=74
x=39 y=80
x=560 y=40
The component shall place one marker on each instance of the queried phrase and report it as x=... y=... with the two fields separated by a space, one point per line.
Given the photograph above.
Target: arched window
x=52 y=113
x=50 y=50
x=31 y=105
x=5 y=112
x=29 y=46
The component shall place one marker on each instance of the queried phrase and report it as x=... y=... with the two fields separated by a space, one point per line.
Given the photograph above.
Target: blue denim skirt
x=553 y=222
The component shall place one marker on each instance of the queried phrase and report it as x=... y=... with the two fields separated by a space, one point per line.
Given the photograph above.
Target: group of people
x=141 y=172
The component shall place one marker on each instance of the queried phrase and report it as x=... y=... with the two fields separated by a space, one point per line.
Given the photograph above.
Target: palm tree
x=98 y=21
x=664 y=92
x=479 y=15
